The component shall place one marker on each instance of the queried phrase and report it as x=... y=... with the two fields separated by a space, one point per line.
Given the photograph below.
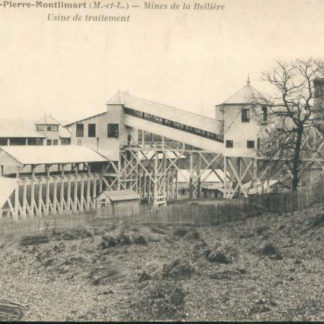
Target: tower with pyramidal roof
x=242 y=117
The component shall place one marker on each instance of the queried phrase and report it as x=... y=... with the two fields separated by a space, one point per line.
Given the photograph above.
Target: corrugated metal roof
x=7 y=186
x=246 y=95
x=259 y=186
x=52 y=154
x=164 y=111
x=120 y=195
x=18 y=128
x=207 y=175
x=47 y=120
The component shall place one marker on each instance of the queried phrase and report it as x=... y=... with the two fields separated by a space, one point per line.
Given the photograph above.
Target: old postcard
x=161 y=160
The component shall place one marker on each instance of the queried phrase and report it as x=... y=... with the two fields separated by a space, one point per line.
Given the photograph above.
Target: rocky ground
x=269 y=267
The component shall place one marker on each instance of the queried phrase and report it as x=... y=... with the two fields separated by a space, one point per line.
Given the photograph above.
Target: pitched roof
x=18 y=128
x=207 y=175
x=246 y=95
x=164 y=111
x=24 y=155
x=64 y=132
x=85 y=118
x=47 y=120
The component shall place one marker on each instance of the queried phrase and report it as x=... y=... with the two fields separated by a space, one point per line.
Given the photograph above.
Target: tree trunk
x=296 y=160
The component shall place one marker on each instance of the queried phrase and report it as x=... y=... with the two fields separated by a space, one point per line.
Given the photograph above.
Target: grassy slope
x=75 y=278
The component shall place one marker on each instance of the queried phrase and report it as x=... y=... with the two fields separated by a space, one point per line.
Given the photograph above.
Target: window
x=229 y=144
x=48 y=142
x=79 y=130
x=264 y=113
x=65 y=141
x=18 y=141
x=259 y=143
x=31 y=141
x=52 y=128
x=40 y=128
x=250 y=144
x=91 y=130
x=113 y=130
x=55 y=142
x=39 y=141
x=3 y=141
x=245 y=115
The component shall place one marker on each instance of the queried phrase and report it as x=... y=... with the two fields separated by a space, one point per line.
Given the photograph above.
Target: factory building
x=45 y=131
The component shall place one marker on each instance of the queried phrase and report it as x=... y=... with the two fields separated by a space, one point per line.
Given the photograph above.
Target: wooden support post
x=47 y=199
x=62 y=169
x=40 y=197
x=118 y=173
x=16 y=206
x=75 y=195
x=61 y=204
x=82 y=195
x=94 y=191
x=155 y=185
x=100 y=184
x=198 y=175
x=228 y=182
x=191 y=180
x=69 y=202
x=32 y=197
x=24 y=200
x=88 y=200
x=239 y=173
x=54 y=204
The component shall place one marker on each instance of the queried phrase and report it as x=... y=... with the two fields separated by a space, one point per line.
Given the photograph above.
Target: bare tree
x=291 y=110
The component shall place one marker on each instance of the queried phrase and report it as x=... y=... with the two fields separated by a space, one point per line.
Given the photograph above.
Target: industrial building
x=45 y=131
x=148 y=150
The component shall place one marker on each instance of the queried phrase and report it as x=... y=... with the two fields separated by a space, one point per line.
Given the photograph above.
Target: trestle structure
x=153 y=170
x=59 y=180
x=58 y=194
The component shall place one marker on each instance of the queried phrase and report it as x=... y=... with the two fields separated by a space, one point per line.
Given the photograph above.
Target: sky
x=190 y=60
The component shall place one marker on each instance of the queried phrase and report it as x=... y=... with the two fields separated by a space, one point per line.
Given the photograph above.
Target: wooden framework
x=152 y=171
x=59 y=194
x=154 y=176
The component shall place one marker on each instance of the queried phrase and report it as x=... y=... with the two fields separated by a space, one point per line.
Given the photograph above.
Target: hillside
x=269 y=267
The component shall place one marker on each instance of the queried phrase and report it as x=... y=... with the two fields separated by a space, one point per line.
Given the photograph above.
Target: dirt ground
x=269 y=267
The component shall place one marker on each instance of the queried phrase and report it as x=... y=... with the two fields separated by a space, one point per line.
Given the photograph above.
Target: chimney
x=318 y=107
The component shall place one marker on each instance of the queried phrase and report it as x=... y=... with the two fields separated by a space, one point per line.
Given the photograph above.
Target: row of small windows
x=49 y=128
x=4 y=141
x=249 y=144
x=112 y=130
x=64 y=141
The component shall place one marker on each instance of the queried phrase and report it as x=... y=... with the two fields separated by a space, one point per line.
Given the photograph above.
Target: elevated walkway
x=176 y=124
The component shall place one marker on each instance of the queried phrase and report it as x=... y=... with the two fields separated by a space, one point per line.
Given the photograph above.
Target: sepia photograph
x=161 y=160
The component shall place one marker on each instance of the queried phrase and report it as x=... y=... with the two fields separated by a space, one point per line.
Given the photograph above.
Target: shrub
x=178 y=269
x=271 y=251
x=160 y=300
